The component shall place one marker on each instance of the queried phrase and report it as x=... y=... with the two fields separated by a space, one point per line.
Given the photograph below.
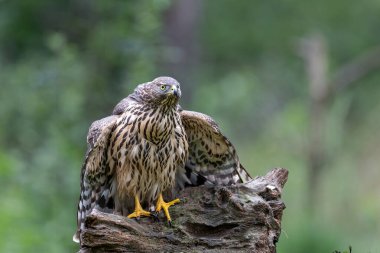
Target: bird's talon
x=139 y=211
x=161 y=204
x=155 y=216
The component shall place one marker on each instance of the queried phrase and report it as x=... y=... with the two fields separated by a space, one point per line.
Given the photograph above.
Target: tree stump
x=238 y=218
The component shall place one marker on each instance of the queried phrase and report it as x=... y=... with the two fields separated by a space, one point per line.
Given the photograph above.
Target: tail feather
x=76 y=237
x=91 y=198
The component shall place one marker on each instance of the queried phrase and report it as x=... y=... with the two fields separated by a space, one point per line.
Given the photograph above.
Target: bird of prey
x=148 y=147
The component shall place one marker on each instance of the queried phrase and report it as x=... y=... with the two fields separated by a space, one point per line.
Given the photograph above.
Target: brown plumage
x=149 y=146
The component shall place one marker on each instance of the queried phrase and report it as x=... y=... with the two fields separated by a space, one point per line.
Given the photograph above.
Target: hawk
x=148 y=147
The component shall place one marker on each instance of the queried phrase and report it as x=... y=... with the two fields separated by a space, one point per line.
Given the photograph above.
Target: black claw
x=170 y=223
x=154 y=215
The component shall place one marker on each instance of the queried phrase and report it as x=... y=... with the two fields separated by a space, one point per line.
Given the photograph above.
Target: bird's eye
x=163 y=87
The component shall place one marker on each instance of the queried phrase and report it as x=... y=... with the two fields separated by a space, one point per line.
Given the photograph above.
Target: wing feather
x=95 y=174
x=212 y=157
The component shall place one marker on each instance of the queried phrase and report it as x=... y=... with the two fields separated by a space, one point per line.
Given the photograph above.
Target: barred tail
x=90 y=198
x=87 y=200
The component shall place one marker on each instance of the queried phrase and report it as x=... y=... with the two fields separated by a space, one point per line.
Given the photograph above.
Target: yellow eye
x=163 y=87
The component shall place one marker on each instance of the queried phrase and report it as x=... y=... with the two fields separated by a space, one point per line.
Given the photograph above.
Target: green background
x=64 y=64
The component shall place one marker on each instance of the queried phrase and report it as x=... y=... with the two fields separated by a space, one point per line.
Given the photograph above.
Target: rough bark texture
x=239 y=218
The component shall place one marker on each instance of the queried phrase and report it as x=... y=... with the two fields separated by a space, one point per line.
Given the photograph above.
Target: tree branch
x=239 y=218
x=355 y=70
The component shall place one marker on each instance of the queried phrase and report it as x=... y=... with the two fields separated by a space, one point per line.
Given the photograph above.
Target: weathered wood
x=239 y=218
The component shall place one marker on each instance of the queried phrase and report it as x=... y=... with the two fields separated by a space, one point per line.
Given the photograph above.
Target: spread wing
x=212 y=157
x=96 y=175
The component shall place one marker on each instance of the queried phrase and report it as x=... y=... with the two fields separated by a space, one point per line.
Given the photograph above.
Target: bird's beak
x=174 y=90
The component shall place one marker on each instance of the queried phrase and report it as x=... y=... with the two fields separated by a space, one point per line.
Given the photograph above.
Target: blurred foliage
x=64 y=64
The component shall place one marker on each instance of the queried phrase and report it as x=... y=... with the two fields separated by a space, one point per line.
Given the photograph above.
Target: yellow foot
x=161 y=204
x=139 y=211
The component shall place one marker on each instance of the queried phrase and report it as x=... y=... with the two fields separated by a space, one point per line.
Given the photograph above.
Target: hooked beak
x=174 y=90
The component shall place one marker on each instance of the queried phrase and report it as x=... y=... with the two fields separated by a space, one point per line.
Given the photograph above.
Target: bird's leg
x=161 y=204
x=139 y=211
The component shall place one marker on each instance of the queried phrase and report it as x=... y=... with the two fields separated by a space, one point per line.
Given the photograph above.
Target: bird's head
x=161 y=91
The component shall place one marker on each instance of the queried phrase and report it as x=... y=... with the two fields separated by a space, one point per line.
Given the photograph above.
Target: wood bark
x=239 y=218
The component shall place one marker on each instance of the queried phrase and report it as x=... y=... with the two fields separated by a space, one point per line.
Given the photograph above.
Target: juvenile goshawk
x=149 y=146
